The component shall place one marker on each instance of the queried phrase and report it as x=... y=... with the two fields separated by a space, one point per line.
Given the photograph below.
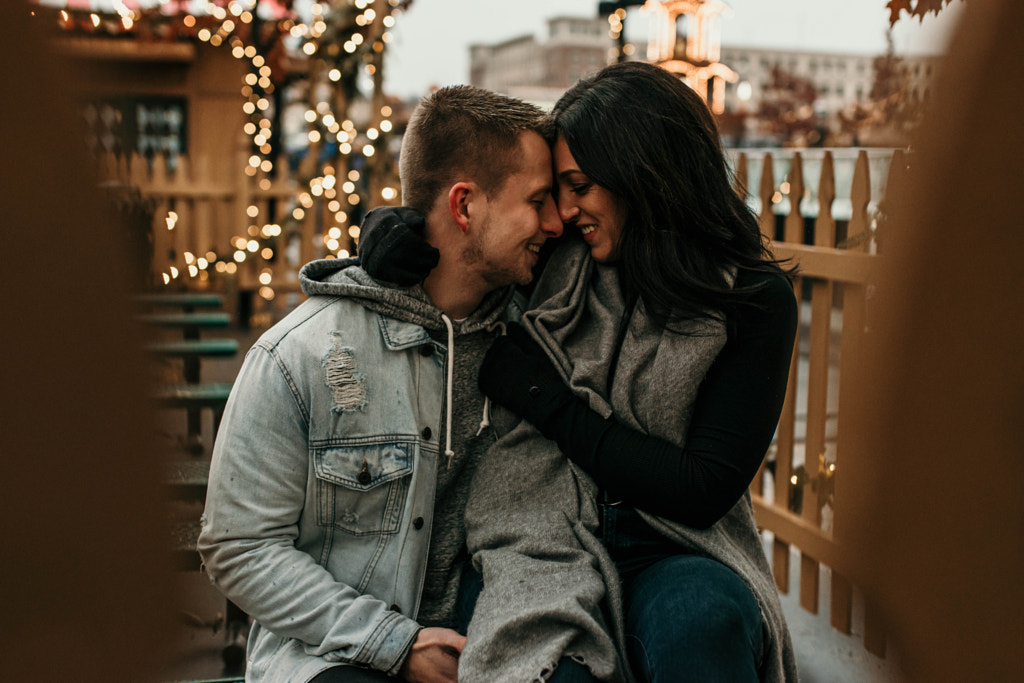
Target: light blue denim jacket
x=319 y=507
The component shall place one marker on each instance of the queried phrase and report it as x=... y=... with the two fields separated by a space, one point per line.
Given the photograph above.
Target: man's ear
x=460 y=199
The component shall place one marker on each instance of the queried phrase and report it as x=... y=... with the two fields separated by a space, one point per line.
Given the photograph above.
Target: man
x=334 y=515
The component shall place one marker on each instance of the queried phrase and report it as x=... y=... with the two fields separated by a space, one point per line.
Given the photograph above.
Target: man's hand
x=434 y=657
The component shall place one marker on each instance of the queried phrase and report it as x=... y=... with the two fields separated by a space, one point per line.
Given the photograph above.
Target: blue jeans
x=688 y=617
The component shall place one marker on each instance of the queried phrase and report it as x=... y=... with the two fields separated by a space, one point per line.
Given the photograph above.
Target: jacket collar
x=399 y=334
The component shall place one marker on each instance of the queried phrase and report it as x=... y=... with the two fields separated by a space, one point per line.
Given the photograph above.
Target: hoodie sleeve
x=257 y=488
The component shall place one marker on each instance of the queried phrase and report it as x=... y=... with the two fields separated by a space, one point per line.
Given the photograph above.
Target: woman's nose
x=568 y=211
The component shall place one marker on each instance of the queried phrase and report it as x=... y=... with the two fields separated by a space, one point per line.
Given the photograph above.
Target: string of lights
x=341 y=41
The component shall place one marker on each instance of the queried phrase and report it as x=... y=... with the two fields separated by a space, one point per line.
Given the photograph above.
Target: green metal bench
x=184 y=535
x=192 y=395
x=193 y=398
x=186 y=301
x=192 y=348
x=192 y=351
x=187 y=481
x=189 y=323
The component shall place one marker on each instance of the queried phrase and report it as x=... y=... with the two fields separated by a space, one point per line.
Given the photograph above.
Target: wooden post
x=767 y=189
x=204 y=216
x=858 y=233
x=786 y=438
x=740 y=177
x=841 y=593
x=825 y=224
x=817 y=417
x=794 y=225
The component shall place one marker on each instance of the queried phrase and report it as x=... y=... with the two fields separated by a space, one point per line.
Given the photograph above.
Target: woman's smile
x=599 y=214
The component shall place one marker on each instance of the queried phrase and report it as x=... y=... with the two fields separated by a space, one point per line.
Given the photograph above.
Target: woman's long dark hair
x=641 y=133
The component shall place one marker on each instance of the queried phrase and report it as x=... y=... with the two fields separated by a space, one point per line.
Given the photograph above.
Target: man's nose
x=550 y=221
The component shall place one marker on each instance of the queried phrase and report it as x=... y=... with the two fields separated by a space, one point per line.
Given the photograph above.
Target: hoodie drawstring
x=486 y=421
x=448 y=452
x=486 y=418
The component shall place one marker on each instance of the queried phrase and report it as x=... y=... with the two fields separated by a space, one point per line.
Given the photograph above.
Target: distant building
x=541 y=72
x=841 y=80
x=736 y=77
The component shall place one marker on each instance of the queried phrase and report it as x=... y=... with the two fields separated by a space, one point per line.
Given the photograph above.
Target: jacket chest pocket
x=362 y=489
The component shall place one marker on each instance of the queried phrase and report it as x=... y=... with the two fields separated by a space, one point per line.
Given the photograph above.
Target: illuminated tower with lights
x=684 y=40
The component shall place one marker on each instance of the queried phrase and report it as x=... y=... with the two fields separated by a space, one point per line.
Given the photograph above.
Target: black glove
x=517 y=374
x=392 y=247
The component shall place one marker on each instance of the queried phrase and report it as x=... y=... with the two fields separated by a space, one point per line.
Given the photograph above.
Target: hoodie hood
x=344 y=277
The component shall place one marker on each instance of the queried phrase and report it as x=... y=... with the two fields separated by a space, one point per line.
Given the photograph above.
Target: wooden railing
x=798 y=494
x=288 y=214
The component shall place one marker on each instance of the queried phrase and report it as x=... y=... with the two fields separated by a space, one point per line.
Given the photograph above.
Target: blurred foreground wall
x=941 y=533
x=84 y=576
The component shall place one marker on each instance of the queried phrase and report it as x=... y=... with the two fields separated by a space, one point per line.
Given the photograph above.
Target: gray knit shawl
x=550 y=588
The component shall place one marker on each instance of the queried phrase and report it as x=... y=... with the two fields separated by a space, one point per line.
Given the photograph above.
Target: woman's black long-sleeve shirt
x=734 y=419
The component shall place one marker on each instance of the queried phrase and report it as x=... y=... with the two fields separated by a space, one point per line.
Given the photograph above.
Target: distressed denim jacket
x=319 y=508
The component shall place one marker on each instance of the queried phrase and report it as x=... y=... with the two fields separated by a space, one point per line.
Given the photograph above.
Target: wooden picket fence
x=798 y=495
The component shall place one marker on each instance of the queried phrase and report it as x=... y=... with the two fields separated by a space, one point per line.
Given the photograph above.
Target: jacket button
x=534 y=392
x=427 y=350
x=417 y=523
x=364 y=475
x=426 y=433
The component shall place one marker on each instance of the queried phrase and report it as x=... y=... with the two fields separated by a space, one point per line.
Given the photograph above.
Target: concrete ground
x=823 y=654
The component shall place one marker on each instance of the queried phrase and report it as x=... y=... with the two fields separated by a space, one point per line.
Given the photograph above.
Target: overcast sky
x=430 y=41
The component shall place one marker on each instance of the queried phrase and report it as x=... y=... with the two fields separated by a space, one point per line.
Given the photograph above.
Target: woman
x=655 y=354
